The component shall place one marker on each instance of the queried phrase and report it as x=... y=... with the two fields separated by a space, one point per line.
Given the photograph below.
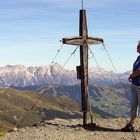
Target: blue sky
x=31 y=30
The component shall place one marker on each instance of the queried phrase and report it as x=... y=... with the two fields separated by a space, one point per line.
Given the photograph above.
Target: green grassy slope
x=13 y=103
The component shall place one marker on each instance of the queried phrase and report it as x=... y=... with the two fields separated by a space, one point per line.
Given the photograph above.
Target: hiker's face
x=138 y=49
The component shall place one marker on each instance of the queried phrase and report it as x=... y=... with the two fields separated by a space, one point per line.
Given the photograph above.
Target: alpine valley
x=56 y=92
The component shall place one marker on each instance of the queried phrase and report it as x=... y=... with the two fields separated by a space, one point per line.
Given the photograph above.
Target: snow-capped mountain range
x=19 y=75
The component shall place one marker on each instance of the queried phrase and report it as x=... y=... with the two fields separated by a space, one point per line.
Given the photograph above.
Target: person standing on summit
x=134 y=78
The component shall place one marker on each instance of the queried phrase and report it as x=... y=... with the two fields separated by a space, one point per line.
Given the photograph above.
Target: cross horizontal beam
x=80 y=40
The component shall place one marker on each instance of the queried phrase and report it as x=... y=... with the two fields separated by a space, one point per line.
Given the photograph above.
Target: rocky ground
x=58 y=129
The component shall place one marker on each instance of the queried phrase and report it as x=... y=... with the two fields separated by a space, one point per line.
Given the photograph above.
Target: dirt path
x=58 y=129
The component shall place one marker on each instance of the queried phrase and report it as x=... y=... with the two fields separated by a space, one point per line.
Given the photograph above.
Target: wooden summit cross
x=83 y=40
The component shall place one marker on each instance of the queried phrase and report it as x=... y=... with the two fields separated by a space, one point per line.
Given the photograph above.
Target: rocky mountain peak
x=20 y=75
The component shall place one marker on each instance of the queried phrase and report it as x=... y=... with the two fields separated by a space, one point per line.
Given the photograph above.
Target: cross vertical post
x=83 y=40
x=84 y=64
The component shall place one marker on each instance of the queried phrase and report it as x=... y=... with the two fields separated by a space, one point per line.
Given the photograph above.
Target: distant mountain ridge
x=105 y=101
x=21 y=76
